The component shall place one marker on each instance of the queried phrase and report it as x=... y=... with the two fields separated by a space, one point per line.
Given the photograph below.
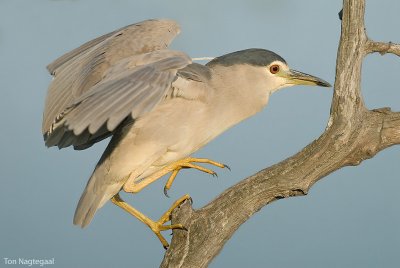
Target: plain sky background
x=349 y=219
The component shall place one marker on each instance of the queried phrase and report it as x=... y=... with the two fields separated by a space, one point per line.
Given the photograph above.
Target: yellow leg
x=155 y=226
x=174 y=168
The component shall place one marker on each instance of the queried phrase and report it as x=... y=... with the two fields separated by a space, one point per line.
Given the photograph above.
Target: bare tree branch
x=353 y=134
x=382 y=47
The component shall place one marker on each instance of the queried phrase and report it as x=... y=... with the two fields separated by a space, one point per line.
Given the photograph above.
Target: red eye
x=274 y=68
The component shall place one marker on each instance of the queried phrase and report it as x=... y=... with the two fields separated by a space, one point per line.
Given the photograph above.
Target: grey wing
x=130 y=89
x=78 y=71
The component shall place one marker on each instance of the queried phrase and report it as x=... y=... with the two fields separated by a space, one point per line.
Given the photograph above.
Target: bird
x=156 y=104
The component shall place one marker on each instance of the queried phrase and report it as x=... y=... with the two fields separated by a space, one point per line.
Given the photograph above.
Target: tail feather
x=88 y=204
x=92 y=199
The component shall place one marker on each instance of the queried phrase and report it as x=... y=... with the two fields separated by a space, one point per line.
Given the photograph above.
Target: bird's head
x=266 y=68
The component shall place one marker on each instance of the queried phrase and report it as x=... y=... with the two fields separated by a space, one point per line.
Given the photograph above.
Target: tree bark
x=353 y=134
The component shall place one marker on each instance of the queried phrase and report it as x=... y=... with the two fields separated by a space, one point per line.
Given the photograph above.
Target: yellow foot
x=155 y=226
x=134 y=187
x=188 y=163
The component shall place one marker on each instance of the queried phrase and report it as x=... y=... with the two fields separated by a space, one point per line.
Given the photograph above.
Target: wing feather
x=79 y=72
x=133 y=92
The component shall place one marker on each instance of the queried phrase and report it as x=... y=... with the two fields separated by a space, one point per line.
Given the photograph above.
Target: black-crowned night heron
x=157 y=105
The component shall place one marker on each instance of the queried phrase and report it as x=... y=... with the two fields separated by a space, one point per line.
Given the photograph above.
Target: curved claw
x=228 y=167
x=166 y=192
x=214 y=174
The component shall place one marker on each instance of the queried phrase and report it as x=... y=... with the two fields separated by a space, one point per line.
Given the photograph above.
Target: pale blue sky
x=349 y=219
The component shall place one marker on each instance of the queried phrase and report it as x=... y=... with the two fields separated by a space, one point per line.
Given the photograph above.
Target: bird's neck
x=235 y=99
x=239 y=93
